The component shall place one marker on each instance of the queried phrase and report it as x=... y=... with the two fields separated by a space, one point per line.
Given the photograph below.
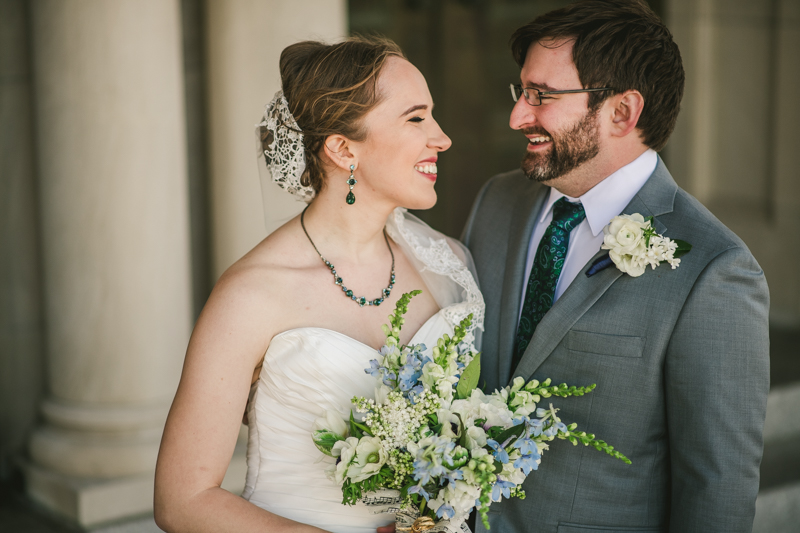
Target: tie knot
x=567 y=215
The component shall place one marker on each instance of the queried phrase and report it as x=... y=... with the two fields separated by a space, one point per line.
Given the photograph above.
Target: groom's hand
x=386 y=529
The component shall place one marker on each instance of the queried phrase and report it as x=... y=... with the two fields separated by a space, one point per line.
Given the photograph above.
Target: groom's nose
x=522 y=115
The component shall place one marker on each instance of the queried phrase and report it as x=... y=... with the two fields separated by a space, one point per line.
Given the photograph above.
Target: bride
x=289 y=328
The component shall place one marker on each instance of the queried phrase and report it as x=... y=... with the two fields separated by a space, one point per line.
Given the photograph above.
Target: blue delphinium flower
x=499 y=452
x=429 y=459
x=451 y=476
x=424 y=470
x=526 y=446
x=389 y=378
x=533 y=427
x=445 y=511
x=414 y=393
x=527 y=463
x=386 y=350
x=417 y=489
x=409 y=376
x=374 y=369
x=501 y=488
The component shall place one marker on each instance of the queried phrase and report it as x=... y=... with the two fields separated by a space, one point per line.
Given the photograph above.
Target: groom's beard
x=570 y=150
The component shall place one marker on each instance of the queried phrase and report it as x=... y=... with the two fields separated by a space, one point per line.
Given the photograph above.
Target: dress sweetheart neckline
x=340 y=334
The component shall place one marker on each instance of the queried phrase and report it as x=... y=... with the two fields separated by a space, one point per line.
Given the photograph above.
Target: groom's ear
x=626 y=108
x=337 y=150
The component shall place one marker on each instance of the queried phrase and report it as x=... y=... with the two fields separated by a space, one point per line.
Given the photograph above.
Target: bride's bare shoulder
x=257 y=286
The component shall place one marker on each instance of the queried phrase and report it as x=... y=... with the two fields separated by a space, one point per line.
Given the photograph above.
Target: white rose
x=476 y=438
x=625 y=234
x=368 y=460
x=628 y=264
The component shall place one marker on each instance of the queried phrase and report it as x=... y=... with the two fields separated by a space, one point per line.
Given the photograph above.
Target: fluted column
x=245 y=39
x=113 y=204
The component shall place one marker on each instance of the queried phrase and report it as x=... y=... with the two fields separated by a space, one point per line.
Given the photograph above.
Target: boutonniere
x=633 y=245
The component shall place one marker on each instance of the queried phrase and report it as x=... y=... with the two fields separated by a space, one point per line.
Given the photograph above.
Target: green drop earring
x=351 y=181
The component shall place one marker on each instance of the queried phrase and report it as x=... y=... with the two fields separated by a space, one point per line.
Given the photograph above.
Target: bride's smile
x=397 y=161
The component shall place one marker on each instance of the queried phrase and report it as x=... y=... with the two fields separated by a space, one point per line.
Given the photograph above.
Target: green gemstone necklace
x=360 y=300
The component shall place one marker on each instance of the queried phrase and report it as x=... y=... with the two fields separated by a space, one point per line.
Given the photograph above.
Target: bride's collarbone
x=342 y=315
x=304 y=293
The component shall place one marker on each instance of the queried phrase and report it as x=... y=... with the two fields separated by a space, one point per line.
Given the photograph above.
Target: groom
x=679 y=356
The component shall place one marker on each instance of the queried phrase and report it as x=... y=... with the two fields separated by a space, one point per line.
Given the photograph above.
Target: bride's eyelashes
x=416 y=119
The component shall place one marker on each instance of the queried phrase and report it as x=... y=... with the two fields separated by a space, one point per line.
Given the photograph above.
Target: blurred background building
x=128 y=184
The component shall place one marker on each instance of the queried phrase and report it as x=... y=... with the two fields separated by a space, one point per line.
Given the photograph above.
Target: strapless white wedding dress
x=309 y=370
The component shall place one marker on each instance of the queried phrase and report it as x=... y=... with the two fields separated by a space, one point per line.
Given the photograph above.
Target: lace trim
x=281 y=143
x=439 y=258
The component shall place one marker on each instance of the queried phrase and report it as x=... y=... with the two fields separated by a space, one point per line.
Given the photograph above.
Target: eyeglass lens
x=532 y=96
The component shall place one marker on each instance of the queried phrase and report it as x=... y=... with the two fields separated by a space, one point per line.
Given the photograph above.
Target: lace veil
x=281 y=154
x=445 y=266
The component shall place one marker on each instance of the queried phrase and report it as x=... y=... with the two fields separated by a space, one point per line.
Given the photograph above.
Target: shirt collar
x=608 y=198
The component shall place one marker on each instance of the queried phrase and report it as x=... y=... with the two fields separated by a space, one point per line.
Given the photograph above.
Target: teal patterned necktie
x=546 y=269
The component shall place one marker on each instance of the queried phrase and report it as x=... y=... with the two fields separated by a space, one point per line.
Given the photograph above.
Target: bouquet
x=434 y=437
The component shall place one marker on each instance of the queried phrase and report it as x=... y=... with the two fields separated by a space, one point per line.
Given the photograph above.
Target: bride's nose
x=438 y=139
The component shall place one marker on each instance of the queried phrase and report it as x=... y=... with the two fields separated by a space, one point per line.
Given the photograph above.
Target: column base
x=89 y=501
x=92 y=501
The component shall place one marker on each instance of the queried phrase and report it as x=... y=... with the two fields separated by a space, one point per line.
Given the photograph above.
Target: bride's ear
x=337 y=150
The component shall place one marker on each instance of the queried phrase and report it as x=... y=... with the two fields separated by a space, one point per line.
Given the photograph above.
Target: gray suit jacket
x=680 y=358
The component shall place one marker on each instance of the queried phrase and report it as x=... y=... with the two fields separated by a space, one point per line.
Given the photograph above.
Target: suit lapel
x=526 y=210
x=656 y=197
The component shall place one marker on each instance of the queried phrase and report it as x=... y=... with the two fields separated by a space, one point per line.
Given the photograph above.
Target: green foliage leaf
x=683 y=248
x=469 y=378
x=357 y=429
x=498 y=466
x=513 y=431
x=324 y=441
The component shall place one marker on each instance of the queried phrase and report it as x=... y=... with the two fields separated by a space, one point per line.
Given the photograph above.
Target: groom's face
x=562 y=132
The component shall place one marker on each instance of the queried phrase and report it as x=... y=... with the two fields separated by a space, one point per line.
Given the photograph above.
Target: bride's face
x=397 y=161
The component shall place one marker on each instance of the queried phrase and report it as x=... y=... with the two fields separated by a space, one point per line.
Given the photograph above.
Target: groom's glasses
x=534 y=97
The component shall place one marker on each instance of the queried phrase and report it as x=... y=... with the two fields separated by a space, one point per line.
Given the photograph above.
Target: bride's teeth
x=427 y=169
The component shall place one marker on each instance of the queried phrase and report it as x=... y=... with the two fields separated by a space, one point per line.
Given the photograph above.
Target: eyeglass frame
x=525 y=90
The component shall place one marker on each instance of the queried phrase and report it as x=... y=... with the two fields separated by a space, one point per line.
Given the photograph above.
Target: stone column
x=21 y=374
x=113 y=205
x=245 y=39
x=735 y=144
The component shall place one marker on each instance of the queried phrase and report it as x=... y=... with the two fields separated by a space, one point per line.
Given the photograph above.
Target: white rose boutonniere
x=633 y=245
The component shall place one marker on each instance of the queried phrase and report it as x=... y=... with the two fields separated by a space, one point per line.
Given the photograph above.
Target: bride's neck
x=355 y=230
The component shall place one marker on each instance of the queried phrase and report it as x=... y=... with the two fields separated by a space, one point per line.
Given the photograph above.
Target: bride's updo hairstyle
x=329 y=89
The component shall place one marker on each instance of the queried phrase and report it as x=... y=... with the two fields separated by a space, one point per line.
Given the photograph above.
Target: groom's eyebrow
x=414 y=108
x=540 y=86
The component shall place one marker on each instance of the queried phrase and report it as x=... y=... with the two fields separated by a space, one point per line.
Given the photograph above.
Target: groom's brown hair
x=620 y=44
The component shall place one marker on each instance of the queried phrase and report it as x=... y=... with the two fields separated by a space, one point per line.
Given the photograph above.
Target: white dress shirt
x=603 y=202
